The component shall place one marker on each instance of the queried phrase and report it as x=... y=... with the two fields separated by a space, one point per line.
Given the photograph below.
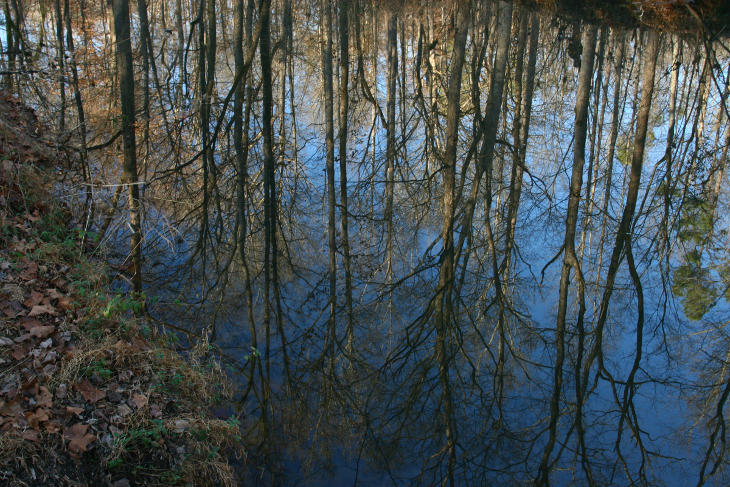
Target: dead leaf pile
x=38 y=329
x=33 y=340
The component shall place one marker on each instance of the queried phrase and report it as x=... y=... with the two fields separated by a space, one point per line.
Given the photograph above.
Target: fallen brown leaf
x=139 y=400
x=181 y=425
x=11 y=309
x=49 y=370
x=124 y=410
x=79 y=438
x=90 y=393
x=42 y=331
x=19 y=352
x=22 y=338
x=29 y=323
x=155 y=411
x=74 y=410
x=30 y=435
x=65 y=303
x=11 y=408
x=42 y=309
x=44 y=398
x=36 y=418
x=52 y=292
x=31 y=270
x=30 y=388
x=34 y=299
x=60 y=282
x=140 y=344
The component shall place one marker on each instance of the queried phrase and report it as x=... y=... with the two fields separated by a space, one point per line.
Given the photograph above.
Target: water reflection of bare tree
x=361 y=195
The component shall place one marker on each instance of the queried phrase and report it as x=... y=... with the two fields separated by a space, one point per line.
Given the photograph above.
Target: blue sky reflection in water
x=372 y=411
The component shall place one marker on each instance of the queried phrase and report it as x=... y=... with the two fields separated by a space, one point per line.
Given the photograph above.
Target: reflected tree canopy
x=461 y=243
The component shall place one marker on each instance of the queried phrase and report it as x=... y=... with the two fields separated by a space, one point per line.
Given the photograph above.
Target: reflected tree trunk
x=204 y=87
x=326 y=48
x=624 y=239
x=620 y=40
x=669 y=152
x=343 y=135
x=717 y=170
x=60 y=67
x=390 y=156
x=521 y=131
x=443 y=317
x=241 y=122
x=147 y=54
x=595 y=145
x=491 y=118
x=182 y=70
x=570 y=261
x=486 y=163
x=10 y=49
x=80 y=113
x=125 y=70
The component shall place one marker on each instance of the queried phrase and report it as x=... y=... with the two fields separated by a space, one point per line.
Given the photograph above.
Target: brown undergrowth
x=90 y=393
x=689 y=17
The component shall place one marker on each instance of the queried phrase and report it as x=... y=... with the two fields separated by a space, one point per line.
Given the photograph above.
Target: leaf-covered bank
x=90 y=393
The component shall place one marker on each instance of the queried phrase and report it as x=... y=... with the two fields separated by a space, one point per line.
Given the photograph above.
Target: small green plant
x=235 y=424
x=145 y=330
x=93 y=327
x=176 y=378
x=52 y=228
x=169 y=380
x=200 y=434
x=7 y=231
x=98 y=367
x=123 y=304
x=213 y=452
x=171 y=339
x=172 y=477
x=254 y=354
x=144 y=437
x=217 y=397
x=89 y=235
x=233 y=421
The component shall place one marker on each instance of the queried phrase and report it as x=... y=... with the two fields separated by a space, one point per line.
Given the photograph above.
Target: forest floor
x=90 y=393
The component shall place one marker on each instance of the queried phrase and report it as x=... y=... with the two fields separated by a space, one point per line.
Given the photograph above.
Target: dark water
x=375 y=410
